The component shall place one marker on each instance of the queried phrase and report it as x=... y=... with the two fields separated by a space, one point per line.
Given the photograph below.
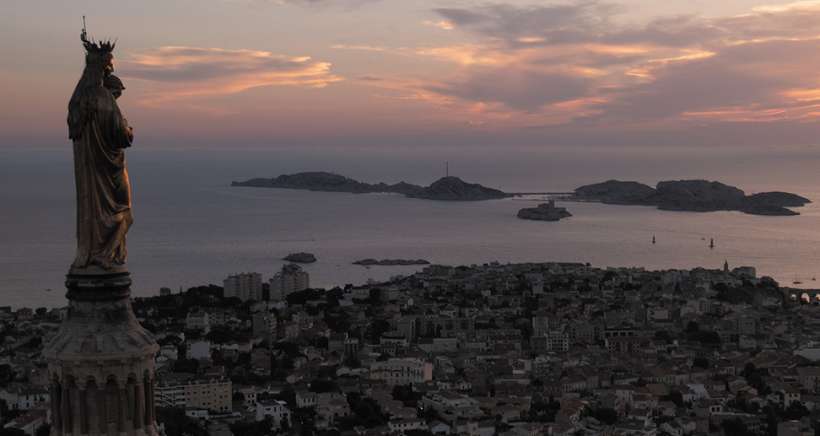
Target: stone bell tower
x=101 y=361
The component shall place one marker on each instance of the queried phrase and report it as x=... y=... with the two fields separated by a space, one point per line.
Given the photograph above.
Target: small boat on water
x=653 y=239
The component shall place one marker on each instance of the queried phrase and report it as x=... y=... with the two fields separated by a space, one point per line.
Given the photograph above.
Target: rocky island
x=454 y=189
x=391 y=262
x=690 y=195
x=616 y=192
x=300 y=258
x=544 y=212
x=445 y=189
x=327 y=182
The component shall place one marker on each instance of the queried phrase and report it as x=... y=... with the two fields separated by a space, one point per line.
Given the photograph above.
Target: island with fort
x=544 y=212
x=690 y=195
x=448 y=188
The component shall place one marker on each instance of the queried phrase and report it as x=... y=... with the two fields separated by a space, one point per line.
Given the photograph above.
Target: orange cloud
x=181 y=72
x=756 y=113
x=465 y=54
x=803 y=95
x=359 y=47
x=441 y=24
x=575 y=61
x=809 y=5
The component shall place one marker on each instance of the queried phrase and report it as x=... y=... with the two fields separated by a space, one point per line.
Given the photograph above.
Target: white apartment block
x=245 y=286
x=291 y=279
x=214 y=394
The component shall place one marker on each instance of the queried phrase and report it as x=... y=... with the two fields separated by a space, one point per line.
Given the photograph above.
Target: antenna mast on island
x=447 y=168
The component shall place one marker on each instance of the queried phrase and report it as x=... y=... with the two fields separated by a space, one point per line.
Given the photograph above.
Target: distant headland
x=444 y=189
x=690 y=195
x=391 y=262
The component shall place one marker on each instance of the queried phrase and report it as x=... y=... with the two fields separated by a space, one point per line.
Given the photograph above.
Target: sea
x=192 y=228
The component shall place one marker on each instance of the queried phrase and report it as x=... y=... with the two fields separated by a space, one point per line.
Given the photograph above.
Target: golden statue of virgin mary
x=100 y=134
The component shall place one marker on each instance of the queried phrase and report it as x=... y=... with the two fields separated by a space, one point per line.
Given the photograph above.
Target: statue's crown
x=97 y=47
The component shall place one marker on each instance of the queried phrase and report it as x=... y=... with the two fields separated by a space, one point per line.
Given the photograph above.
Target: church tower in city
x=101 y=361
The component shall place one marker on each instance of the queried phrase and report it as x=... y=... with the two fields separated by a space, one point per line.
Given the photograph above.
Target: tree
x=302 y=297
x=177 y=423
x=224 y=334
x=352 y=361
x=367 y=412
x=692 y=327
x=755 y=378
x=700 y=362
x=795 y=411
x=376 y=329
x=321 y=342
x=675 y=397
x=663 y=335
x=261 y=428
x=406 y=395
x=323 y=385
x=43 y=430
x=186 y=365
x=735 y=427
x=6 y=374
x=289 y=348
x=238 y=398
x=417 y=433
x=34 y=343
x=543 y=410
x=337 y=321
x=374 y=297
x=606 y=415
x=6 y=412
x=709 y=337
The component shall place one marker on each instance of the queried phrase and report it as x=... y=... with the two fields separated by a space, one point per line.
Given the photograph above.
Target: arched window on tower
x=111 y=405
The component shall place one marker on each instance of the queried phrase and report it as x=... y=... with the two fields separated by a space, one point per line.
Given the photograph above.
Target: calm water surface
x=192 y=228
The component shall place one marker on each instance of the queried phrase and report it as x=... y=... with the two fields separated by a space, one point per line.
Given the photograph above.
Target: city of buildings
x=495 y=349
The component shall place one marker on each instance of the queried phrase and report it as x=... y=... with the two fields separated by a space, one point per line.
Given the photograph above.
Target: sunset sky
x=336 y=73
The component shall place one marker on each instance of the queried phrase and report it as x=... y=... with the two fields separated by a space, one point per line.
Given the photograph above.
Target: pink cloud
x=180 y=72
x=756 y=67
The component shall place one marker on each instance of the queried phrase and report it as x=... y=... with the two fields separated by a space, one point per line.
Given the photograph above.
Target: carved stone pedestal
x=101 y=362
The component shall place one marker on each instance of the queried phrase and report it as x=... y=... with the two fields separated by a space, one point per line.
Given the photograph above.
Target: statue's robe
x=100 y=134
